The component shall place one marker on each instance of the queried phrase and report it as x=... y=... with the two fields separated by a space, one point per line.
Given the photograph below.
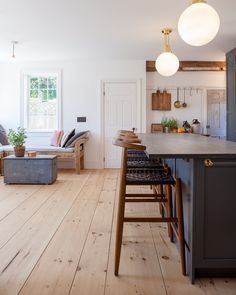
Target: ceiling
x=105 y=29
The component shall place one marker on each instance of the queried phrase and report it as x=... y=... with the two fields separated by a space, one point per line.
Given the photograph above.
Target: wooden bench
x=76 y=153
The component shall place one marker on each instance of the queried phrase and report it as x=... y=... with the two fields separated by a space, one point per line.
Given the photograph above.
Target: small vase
x=19 y=150
x=167 y=129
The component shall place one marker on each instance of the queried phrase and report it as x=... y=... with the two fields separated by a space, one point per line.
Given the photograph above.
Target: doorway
x=121 y=110
x=216 y=113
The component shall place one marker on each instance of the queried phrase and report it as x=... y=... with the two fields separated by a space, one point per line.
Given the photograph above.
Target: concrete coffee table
x=41 y=169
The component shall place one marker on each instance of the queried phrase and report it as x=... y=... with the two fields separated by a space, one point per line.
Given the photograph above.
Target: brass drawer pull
x=208 y=163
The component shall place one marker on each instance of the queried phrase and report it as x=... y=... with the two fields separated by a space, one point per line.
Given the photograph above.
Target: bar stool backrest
x=126 y=131
x=129 y=143
x=129 y=139
x=126 y=144
x=128 y=135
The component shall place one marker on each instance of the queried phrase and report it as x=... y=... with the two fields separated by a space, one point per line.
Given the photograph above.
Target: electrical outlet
x=81 y=119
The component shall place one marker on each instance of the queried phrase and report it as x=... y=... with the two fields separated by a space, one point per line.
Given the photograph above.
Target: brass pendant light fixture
x=13 y=57
x=167 y=63
x=199 y=23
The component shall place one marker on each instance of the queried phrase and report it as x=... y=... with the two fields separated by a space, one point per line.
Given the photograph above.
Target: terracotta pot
x=19 y=150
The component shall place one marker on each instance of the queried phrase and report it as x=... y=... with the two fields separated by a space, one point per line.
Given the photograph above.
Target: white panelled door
x=216 y=112
x=121 y=112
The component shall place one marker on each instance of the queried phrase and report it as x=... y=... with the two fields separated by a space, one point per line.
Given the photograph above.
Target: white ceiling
x=105 y=29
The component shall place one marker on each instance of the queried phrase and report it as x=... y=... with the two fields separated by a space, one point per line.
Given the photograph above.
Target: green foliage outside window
x=43 y=88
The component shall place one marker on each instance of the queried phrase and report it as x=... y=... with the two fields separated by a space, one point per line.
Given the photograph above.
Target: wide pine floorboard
x=59 y=239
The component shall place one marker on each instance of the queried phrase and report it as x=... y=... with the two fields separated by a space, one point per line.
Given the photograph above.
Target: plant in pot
x=169 y=124
x=165 y=124
x=17 y=139
x=173 y=125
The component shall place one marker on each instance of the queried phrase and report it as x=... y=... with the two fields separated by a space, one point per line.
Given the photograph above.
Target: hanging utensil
x=184 y=104
x=177 y=103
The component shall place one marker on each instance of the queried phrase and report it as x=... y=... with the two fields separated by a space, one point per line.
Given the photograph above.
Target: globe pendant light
x=199 y=23
x=167 y=64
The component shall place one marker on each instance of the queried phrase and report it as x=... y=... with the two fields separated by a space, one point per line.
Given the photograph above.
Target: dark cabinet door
x=231 y=95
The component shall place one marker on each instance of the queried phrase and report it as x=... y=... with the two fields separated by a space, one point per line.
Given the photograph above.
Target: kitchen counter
x=186 y=145
x=209 y=198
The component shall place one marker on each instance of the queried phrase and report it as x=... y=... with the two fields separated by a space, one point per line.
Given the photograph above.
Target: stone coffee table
x=41 y=169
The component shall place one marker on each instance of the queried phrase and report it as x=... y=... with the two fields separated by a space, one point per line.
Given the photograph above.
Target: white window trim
x=24 y=98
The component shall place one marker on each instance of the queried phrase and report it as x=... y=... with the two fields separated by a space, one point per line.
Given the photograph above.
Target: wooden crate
x=29 y=170
x=156 y=128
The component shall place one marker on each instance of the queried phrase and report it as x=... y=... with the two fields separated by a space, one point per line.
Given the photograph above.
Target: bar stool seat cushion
x=136 y=153
x=148 y=177
x=140 y=162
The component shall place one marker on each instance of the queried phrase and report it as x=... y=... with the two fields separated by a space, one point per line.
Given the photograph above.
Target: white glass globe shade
x=199 y=24
x=167 y=64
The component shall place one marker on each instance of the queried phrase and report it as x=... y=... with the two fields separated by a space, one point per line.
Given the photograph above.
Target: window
x=42 y=102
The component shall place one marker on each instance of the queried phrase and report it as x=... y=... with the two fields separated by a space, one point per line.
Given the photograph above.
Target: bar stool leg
x=169 y=209
x=160 y=190
x=119 y=226
x=179 y=209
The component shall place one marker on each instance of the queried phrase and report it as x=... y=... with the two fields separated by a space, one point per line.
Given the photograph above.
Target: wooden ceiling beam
x=192 y=66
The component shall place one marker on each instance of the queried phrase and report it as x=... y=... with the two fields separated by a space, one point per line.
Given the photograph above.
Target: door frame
x=103 y=82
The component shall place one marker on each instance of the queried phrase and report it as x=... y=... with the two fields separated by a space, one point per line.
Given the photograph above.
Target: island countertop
x=186 y=145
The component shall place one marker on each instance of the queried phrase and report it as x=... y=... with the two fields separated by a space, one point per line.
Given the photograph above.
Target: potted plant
x=17 y=139
x=173 y=124
x=169 y=124
x=165 y=124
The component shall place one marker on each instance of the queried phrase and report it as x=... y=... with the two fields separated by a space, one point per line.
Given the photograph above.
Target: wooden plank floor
x=59 y=239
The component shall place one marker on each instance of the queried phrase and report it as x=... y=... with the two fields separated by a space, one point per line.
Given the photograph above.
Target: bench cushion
x=9 y=148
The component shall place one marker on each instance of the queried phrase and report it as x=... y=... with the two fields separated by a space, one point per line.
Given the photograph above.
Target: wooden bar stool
x=139 y=159
x=156 y=176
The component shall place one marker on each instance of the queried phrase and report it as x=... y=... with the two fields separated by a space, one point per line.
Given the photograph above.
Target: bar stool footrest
x=150 y=219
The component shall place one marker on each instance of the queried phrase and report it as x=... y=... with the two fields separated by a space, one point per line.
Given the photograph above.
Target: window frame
x=25 y=76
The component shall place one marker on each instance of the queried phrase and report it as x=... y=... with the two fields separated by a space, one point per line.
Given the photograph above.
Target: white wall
x=196 y=103
x=81 y=93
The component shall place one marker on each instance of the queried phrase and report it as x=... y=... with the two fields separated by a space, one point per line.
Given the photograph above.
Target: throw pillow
x=62 y=133
x=3 y=136
x=71 y=143
x=56 y=137
x=2 y=129
x=67 y=137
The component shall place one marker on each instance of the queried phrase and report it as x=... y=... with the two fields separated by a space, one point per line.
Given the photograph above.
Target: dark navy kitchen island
x=207 y=168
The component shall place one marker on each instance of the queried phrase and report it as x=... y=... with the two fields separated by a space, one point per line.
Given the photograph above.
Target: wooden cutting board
x=161 y=101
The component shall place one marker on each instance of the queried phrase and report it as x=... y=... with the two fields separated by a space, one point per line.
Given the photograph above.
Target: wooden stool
x=156 y=176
